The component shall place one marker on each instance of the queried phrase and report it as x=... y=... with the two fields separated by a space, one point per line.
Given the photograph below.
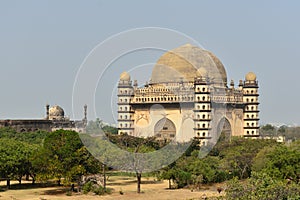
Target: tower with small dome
x=251 y=111
x=125 y=111
x=187 y=89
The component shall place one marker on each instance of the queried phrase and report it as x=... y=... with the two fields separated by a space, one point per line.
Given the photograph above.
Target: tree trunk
x=27 y=177
x=58 y=182
x=104 y=177
x=8 y=183
x=170 y=184
x=139 y=177
x=33 y=178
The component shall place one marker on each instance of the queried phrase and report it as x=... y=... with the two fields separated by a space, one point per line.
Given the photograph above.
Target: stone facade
x=54 y=120
x=186 y=97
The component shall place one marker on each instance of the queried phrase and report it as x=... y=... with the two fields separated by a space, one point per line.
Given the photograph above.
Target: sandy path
x=151 y=189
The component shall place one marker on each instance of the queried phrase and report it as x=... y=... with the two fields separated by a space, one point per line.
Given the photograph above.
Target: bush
x=96 y=189
x=87 y=187
x=262 y=187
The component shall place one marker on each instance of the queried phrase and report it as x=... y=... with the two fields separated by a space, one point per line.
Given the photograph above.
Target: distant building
x=55 y=119
x=278 y=138
x=178 y=102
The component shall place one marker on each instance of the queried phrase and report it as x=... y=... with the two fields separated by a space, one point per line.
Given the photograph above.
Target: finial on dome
x=188 y=45
x=250 y=76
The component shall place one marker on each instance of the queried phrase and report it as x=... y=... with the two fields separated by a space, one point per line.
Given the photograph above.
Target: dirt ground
x=151 y=189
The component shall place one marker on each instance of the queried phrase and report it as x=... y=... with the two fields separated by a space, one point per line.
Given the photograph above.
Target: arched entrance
x=164 y=129
x=224 y=128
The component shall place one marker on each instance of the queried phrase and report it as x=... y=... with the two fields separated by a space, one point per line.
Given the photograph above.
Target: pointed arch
x=225 y=129
x=165 y=129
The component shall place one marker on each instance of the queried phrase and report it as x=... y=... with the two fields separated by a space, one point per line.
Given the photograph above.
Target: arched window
x=203 y=134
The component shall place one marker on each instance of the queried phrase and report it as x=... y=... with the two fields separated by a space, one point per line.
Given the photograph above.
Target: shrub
x=87 y=187
x=98 y=190
x=262 y=187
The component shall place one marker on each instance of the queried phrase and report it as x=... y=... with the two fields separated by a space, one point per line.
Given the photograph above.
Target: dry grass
x=151 y=189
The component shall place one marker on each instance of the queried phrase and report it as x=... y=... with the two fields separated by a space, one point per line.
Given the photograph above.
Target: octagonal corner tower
x=183 y=100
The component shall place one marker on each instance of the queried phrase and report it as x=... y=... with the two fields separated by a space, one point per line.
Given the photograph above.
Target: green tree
x=261 y=187
x=15 y=159
x=280 y=162
x=282 y=129
x=237 y=156
x=36 y=137
x=63 y=155
x=268 y=129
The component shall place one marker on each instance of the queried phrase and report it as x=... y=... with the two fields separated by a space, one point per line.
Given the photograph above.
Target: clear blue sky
x=43 y=43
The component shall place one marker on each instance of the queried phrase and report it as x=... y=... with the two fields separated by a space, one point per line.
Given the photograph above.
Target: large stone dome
x=183 y=63
x=56 y=112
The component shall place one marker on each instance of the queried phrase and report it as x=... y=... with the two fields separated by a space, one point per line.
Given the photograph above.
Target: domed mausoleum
x=188 y=97
x=55 y=119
